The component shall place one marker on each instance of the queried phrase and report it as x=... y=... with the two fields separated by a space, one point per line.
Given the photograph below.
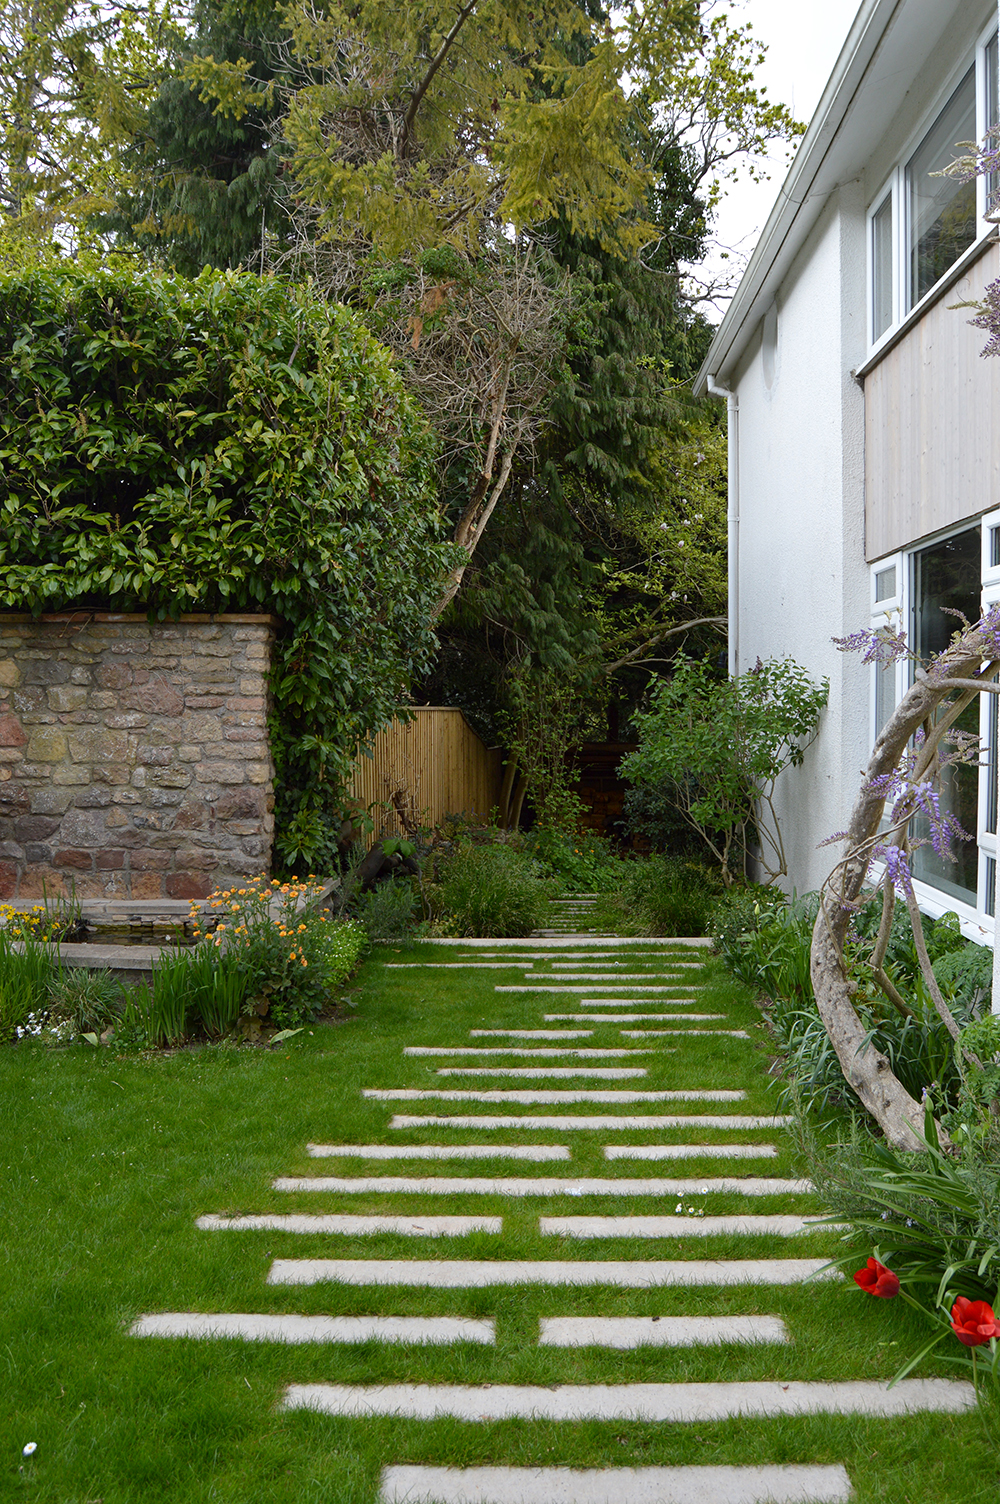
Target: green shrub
x=585 y=863
x=966 y=976
x=390 y=911
x=88 y=1001
x=493 y=889
x=229 y=443
x=659 y=895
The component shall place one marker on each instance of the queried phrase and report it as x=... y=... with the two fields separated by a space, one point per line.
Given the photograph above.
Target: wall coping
x=199 y=618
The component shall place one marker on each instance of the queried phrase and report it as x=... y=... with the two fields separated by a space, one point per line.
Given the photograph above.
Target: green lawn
x=107 y=1160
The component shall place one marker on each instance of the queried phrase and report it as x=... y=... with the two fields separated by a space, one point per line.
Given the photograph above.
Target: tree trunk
x=867 y=1071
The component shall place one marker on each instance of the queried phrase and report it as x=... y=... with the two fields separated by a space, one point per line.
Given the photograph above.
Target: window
x=921 y=589
x=922 y=222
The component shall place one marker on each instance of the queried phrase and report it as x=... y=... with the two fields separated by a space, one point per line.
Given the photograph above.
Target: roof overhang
x=888 y=44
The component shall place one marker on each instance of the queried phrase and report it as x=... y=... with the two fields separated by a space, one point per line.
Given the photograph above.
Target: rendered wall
x=803 y=578
x=134 y=759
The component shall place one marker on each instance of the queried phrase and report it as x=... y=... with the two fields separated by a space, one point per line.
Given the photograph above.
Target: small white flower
x=30 y=1449
x=704 y=1190
x=678 y=1207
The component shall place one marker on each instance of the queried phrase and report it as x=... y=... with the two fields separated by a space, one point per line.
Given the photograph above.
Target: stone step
x=666 y=1033
x=500 y=942
x=523 y=1052
x=681 y=1227
x=540 y=1185
x=630 y=1018
x=552 y=1098
x=538 y=1152
x=482 y=1274
x=673 y=1403
x=590 y=1124
x=258 y=1327
x=689 y=1151
x=351 y=1226
x=532 y=1033
x=628 y=1332
x=783 y=1483
x=617 y=984
x=548 y=1072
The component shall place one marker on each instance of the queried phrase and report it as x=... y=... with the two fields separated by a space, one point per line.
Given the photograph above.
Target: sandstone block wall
x=134 y=760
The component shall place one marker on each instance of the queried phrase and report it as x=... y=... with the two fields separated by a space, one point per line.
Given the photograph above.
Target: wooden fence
x=429 y=767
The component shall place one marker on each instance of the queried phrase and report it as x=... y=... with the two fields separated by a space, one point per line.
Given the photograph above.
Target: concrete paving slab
x=678 y=1227
x=627 y=1332
x=690 y=1151
x=617 y=985
x=539 y=1185
x=606 y=942
x=677 y=1403
x=538 y=1152
x=666 y=1033
x=524 y=1052
x=631 y=1018
x=484 y=1274
x=350 y=1226
x=552 y=1098
x=548 y=1072
x=780 y=1484
x=258 y=1327
x=590 y=1124
x=531 y=1033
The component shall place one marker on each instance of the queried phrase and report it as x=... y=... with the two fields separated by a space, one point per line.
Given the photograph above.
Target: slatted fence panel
x=436 y=763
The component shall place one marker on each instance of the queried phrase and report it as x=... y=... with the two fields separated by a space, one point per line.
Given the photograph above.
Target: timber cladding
x=932 y=441
x=431 y=766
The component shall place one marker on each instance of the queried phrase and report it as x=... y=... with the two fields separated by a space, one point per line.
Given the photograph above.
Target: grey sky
x=803 y=38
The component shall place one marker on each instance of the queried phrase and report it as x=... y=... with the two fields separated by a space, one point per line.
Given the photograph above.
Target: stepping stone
x=589 y=1124
x=430 y=1094
x=689 y=1151
x=630 y=1018
x=523 y=1052
x=679 y=981
x=254 y=1327
x=483 y=1274
x=666 y=1033
x=531 y=1033
x=443 y=1185
x=551 y=1072
x=627 y=1332
x=679 y=1227
x=538 y=1152
x=349 y=1226
x=781 y=1484
x=454 y=965
x=606 y=942
x=633 y=1402
x=615 y=985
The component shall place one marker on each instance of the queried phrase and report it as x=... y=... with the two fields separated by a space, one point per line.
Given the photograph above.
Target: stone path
x=652 y=971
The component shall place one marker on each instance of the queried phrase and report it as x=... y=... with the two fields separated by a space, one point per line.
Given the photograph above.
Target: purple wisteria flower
x=897 y=867
x=877 y=644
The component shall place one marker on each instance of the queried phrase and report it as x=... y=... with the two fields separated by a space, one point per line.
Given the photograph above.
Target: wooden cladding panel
x=932 y=443
x=435 y=762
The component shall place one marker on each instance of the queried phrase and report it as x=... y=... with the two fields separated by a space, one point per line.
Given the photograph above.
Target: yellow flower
x=304 y=961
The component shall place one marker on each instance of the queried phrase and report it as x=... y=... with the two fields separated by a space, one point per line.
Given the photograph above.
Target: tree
x=75 y=78
x=436 y=156
x=717 y=748
x=904 y=768
x=229 y=443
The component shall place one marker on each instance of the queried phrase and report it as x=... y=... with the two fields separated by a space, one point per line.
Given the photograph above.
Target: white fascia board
x=888 y=44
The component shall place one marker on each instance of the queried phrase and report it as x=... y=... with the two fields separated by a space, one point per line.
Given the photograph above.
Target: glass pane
x=990 y=820
x=992 y=119
x=885 y=584
x=882 y=267
x=995 y=547
x=946 y=578
x=942 y=211
x=885 y=694
x=990 y=896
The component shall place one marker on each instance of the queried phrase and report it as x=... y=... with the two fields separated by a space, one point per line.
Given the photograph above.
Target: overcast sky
x=803 y=39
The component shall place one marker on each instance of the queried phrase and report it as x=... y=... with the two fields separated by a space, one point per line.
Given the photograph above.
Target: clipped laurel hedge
x=231 y=443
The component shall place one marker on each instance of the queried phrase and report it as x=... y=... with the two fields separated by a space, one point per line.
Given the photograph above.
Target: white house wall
x=802 y=557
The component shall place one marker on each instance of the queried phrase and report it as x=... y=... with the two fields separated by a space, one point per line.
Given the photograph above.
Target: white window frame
x=895 y=184
x=889 y=612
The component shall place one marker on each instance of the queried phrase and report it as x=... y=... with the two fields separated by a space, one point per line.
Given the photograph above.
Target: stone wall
x=134 y=759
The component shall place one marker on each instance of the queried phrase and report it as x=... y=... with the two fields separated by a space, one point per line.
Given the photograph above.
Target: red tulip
x=973 y=1322
x=877 y=1280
